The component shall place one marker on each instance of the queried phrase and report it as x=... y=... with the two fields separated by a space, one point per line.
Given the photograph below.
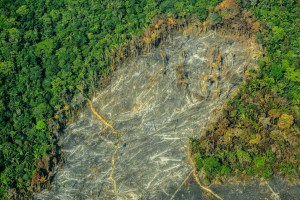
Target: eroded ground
x=132 y=142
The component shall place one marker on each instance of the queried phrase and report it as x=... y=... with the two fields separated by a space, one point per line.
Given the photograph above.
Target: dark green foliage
x=211 y=165
x=276 y=72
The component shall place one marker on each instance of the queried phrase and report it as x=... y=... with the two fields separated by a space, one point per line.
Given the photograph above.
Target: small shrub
x=267 y=173
x=211 y=166
x=288 y=169
x=259 y=162
x=225 y=170
x=243 y=156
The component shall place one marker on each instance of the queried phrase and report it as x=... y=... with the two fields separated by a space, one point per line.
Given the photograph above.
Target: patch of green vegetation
x=266 y=111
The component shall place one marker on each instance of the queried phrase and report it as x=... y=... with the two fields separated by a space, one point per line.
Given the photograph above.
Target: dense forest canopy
x=52 y=53
x=258 y=131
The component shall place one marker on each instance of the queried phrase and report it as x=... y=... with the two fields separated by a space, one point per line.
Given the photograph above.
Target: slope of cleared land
x=132 y=140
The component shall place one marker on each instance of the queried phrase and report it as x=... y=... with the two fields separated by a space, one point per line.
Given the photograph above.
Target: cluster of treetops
x=53 y=55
